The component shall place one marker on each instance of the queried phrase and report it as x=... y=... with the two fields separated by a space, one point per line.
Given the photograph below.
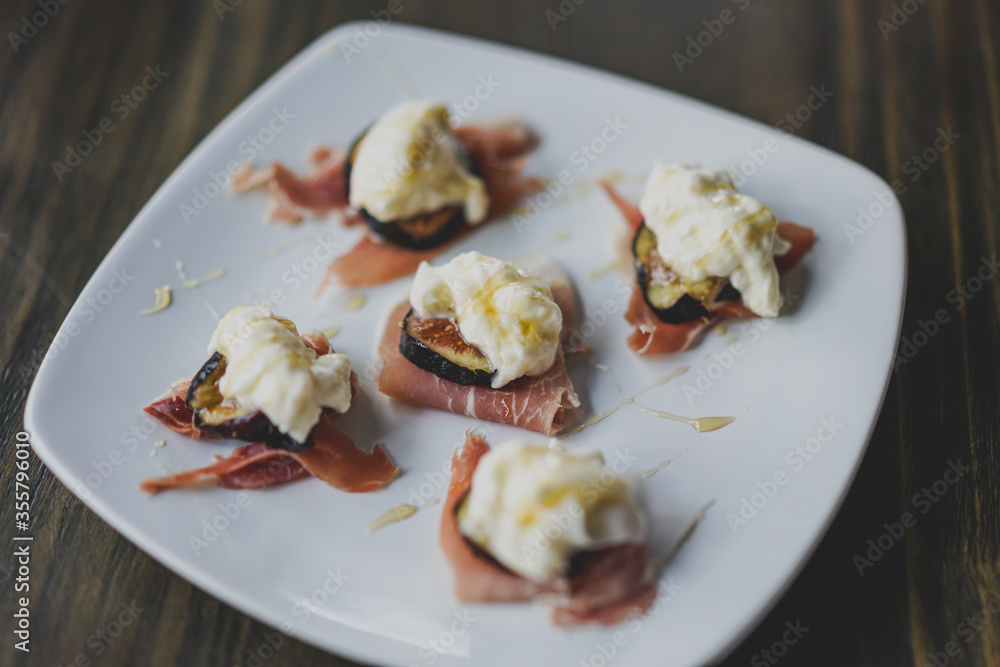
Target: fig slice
x=436 y=345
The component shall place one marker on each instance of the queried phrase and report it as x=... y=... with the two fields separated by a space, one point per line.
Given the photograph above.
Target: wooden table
x=898 y=80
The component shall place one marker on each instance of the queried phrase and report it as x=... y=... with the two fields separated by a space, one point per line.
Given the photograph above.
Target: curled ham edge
x=608 y=586
x=499 y=154
x=333 y=458
x=654 y=336
x=544 y=400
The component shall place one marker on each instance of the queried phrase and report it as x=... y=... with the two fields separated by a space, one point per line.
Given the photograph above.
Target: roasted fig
x=421 y=232
x=224 y=418
x=672 y=300
x=436 y=345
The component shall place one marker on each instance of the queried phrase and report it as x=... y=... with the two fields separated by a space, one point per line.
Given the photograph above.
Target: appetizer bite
x=702 y=251
x=527 y=520
x=409 y=179
x=482 y=337
x=267 y=385
x=413 y=180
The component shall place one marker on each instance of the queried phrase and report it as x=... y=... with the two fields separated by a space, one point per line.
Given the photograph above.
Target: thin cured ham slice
x=654 y=336
x=478 y=578
x=604 y=587
x=629 y=211
x=375 y=261
x=607 y=586
x=293 y=198
x=333 y=458
x=498 y=154
x=802 y=240
x=255 y=466
x=172 y=411
x=336 y=460
x=536 y=403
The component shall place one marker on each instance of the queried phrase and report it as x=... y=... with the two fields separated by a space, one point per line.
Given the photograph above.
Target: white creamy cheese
x=409 y=162
x=705 y=227
x=269 y=368
x=500 y=309
x=532 y=506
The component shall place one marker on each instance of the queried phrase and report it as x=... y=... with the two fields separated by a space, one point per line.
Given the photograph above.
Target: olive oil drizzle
x=700 y=424
x=356 y=302
x=163 y=294
x=619 y=265
x=652 y=471
x=397 y=514
x=686 y=532
x=193 y=285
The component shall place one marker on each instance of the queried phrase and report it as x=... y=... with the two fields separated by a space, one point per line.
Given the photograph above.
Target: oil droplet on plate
x=395 y=515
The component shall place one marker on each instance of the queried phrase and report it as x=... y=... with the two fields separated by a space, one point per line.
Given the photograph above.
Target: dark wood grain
x=892 y=94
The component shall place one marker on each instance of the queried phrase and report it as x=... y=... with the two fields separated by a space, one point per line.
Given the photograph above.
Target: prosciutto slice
x=605 y=586
x=654 y=336
x=536 y=403
x=255 y=466
x=295 y=198
x=333 y=458
x=498 y=154
x=172 y=411
x=374 y=261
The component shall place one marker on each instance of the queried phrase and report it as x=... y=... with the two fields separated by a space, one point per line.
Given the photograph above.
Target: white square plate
x=297 y=557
